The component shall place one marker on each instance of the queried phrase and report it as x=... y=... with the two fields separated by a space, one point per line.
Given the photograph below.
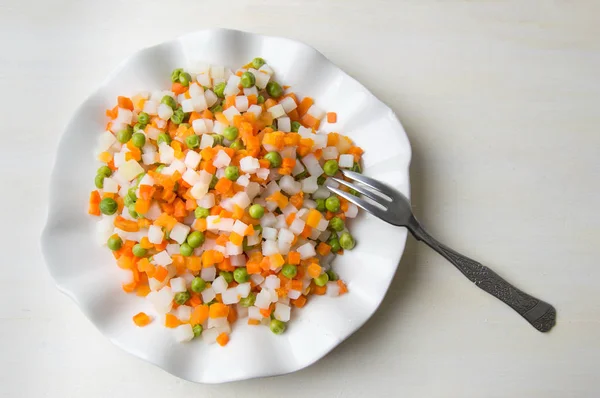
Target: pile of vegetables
x=213 y=197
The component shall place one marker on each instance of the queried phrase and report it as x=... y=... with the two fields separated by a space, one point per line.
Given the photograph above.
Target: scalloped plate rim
x=61 y=286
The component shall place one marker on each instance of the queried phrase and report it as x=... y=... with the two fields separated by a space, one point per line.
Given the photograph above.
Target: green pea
x=249 y=300
x=213 y=182
x=218 y=89
x=336 y=224
x=260 y=99
x=108 y=206
x=322 y=279
x=185 y=78
x=258 y=62
x=186 y=250
x=237 y=145
x=114 y=243
x=217 y=139
x=232 y=173
x=247 y=80
x=356 y=168
x=295 y=126
x=138 y=140
x=192 y=141
x=128 y=201
x=335 y=244
x=241 y=275
x=321 y=205
x=216 y=108
x=289 y=270
x=143 y=118
x=99 y=181
x=164 y=137
x=139 y=251
x=197 y=329
x=353 y=192
x=302 y=175
x=277 y=326
x=320 y=180
x=332 y=204
x=178 y=116
x=274 y=158
x=256 y=211
x=131 y=194
x=181 y=297
x=132 y=212
x=198 y=285
x=228 y=276
x=332 y=275
x=201 y=212
x=138 y=127
x=195 y=239
x=125 y=135
x=104 y=171
x=331 y=167
x=274 y=89
x=170 y=101
x=347 y=241
x=175 y=75
x=258 y=228
x=230 y=133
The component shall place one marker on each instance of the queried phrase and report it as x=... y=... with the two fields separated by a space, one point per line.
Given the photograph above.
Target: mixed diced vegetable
x=213 y=197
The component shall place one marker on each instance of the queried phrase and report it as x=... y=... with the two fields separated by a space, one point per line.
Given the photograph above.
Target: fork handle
x=538 y=313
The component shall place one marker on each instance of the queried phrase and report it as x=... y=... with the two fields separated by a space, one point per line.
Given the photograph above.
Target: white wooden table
x=500 y=101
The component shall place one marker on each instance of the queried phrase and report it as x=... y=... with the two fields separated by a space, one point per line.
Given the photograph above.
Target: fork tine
x=363 y=204
x=370 y=182
x=369 y=194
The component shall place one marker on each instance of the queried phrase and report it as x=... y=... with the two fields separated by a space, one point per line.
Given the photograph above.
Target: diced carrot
x=126 y=225
x=225 y=265
x=310 y=121
x=178 y=88
x=293 y=258
x=144 y=223
x=253 y=322
x=299 y=302
x=265 y=312
x=288 y=163
x=297 y=200
x=113 y=113
x=279 y=198
x=276 y=260
x=105 y=157
x=222 y=240
x=320 y=290
x=199 y=314
x=142 y=205
x=236 y=239
x=232 y=316
x=253 y=267
x=171 y=321
x=306 y=232
x=238 y=212
x=313 y=218
x=141 y=319
x=129 y=287
x=193 y=263
x=296 y=284
x=224 y=185
x=304 y=105
x=314 y=270
x=218 y=310
x=195 y=300
x=94 y=203
x=270 y=103
x=142 y=290
x=125 y=262
x=221 y=119
x=331 y=117
x=161 y=273
x=200 y=224
x=290 y=219
x=249 y=230
x=323 y=249
x=342 y=285
x=223 y=339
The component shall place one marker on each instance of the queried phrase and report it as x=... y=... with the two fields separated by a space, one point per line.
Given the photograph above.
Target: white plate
x=87 y=272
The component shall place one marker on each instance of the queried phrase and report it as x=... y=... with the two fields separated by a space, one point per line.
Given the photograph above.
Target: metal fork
x=391 y=206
